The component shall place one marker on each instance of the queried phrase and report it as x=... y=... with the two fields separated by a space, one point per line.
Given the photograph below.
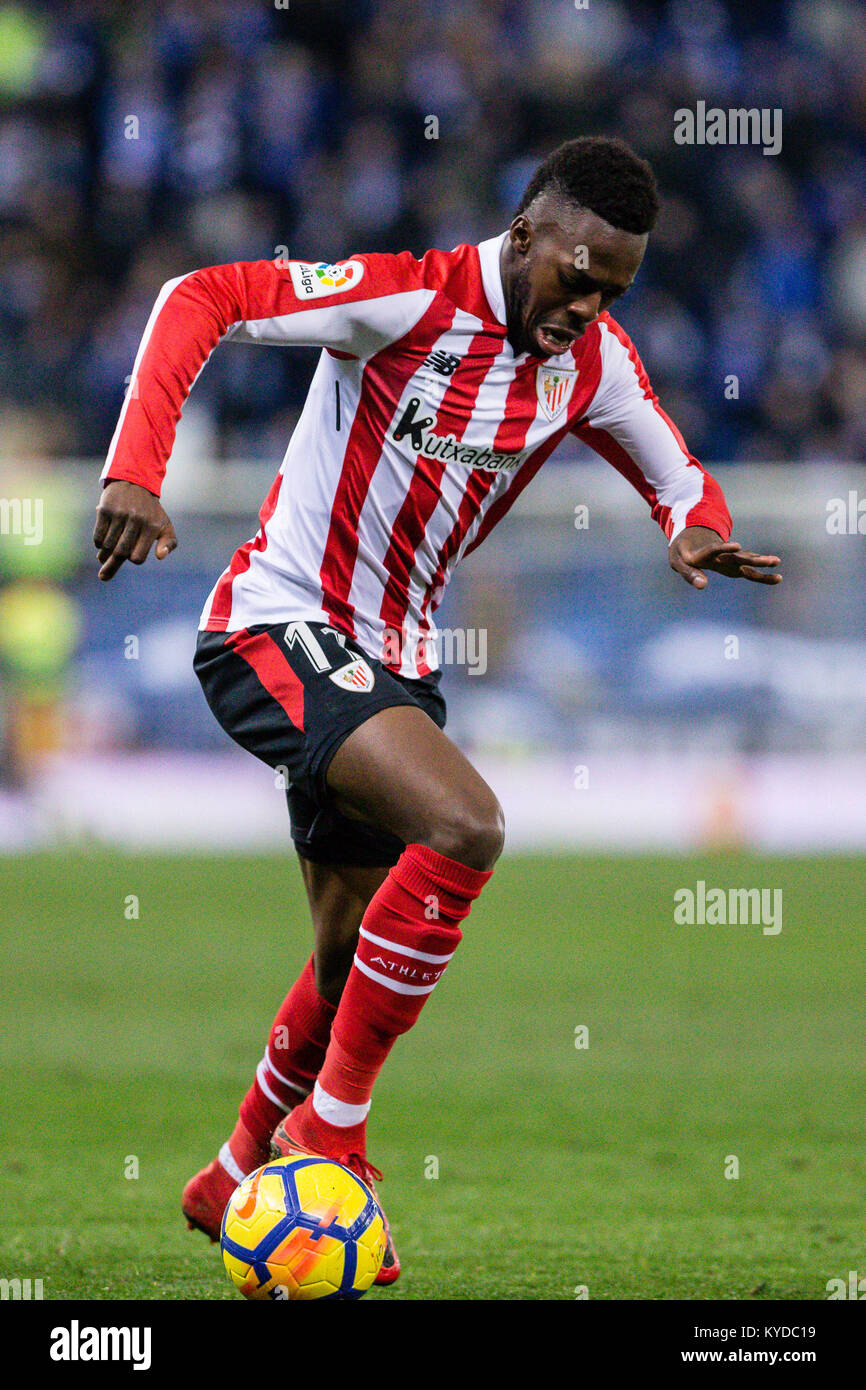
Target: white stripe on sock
x=406 y=950
x=233 y=1169
x=271 y=1095
x=338 y=1112
x=392 y=984
x=268 y=1061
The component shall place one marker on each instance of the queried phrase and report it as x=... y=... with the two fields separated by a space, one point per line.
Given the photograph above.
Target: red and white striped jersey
x=420 y=429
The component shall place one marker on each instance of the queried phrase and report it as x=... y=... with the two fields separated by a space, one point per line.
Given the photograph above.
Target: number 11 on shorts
x=302 y=635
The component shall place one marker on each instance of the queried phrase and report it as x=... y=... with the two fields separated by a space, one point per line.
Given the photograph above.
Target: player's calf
x=293 y=1054
x=407 y=938
x=409 y=934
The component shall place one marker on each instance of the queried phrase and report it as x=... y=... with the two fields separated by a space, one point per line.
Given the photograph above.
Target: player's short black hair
x=604 y=175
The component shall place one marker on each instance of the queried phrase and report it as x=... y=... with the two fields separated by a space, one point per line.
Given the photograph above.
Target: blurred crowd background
x=255 y=127
x=140 y=141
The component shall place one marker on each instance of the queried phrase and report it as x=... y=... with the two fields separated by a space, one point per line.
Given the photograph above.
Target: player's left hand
x=697 y=548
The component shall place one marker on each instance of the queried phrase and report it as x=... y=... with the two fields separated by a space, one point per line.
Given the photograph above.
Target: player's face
x=561 y=267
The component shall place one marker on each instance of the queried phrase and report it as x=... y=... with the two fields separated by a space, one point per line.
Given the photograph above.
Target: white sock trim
x=338 y=1112
x=392 y=984
x=233 y=1169
x=284 y=1080
x=271 y=1095
x=406 y=950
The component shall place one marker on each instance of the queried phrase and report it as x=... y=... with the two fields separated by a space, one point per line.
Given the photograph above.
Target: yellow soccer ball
x=302 y=1227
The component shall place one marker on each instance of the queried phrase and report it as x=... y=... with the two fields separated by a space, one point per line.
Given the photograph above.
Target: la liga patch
x=315 y=280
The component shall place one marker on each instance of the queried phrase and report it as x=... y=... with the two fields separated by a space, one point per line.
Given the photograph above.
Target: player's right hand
x=128 y=521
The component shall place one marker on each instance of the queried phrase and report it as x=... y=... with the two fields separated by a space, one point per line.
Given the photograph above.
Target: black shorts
x=291 y=694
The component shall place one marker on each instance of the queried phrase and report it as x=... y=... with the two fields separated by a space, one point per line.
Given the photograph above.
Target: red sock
x=293 y=1055
x=409 y=933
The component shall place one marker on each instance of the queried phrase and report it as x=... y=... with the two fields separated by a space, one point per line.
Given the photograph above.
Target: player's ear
x=521 y=233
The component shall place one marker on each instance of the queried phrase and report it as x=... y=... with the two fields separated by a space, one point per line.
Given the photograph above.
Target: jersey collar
x=491 y=276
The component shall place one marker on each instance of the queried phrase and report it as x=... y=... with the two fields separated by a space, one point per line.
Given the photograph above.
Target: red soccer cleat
x=286 y=1144
x=206 y=1197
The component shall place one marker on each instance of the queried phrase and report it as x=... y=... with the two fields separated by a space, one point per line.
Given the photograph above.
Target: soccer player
x=443 y=385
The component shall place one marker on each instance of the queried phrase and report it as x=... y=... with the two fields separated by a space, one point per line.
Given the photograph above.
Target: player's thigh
x=401 y=772
x=339 y=895
x=350 y=735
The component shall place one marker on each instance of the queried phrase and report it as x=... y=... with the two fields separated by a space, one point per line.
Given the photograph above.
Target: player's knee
x=471 y=833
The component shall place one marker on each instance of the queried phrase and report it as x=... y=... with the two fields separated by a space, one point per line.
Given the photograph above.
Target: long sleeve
x=355 y=308
x=626 y=425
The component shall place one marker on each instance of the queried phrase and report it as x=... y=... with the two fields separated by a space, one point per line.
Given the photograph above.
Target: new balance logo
x=446 y=363
x=447 y=446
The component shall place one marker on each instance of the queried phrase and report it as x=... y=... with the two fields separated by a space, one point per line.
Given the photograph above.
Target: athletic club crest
x=356 y=676
x=554 y=386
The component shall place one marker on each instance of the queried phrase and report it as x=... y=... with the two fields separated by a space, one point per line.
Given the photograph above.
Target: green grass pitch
x=558 y=1166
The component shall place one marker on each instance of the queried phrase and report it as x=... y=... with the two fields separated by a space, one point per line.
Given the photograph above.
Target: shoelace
x=366 y=1170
